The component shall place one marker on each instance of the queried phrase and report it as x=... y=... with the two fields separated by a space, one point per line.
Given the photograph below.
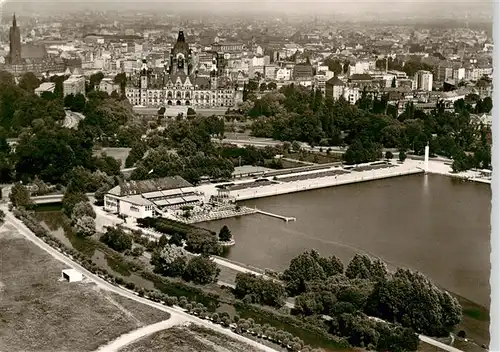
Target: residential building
x=424 y=80
x=270 y=71
x=334 y=88
x=107 y=85
x=352 y=94
x=75 y=84
x=303 y=70
x=283 y=74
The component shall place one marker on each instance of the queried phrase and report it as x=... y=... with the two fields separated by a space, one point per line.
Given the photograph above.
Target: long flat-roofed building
x=150 y=198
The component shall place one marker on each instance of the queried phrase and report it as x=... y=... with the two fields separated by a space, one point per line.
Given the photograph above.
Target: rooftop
x=145 y=186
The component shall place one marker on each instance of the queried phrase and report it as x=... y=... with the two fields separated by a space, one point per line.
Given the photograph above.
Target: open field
x=190 y=338
x=40 y=313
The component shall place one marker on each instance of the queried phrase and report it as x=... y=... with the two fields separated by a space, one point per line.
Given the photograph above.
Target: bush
x=116 y=239
x=255 y=289
x=201 y=270
x=137 y=251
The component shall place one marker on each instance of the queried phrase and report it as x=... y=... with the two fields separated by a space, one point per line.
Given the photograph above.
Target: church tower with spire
x=15 y=43
x=180 y=57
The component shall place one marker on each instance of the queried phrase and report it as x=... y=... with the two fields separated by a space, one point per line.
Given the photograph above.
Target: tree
x=29 y=82
x=70 y=200
x=359 y=267
x=201 y=270
x=169 y=261
x=176 y=239
x=161 y=111
x=100 y=193
x=272 y=86
x=7 y=78
x=260 y=290
x=303 y=268
x=252 y=85
x=85 y=226
x=163 y=241
x=78 y=103
x=2 y=216
x=116 y=239
x=263 y=87
x=225 y=234
x=95 y=79
x=203 y=244
x=402 y=156
x=410 y=299
x=137 y=251
x=20 y=196
x=121 y=79
x=82 y=209
x=191 y=112
x=389 y=155
x=393 y=84
x=68 y=100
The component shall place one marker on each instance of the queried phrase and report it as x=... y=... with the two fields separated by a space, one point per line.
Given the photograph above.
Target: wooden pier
x=284 y=218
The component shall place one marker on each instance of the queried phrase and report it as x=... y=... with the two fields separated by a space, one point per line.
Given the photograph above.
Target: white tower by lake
x=426 y=158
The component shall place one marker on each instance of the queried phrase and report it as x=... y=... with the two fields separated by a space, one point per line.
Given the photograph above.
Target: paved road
x=176 y=313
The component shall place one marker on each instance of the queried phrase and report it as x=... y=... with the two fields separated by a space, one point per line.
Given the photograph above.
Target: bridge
x=52 y=198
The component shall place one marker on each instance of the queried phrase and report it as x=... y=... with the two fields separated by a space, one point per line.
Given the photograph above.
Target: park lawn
x=39 y=313
x=192 y=338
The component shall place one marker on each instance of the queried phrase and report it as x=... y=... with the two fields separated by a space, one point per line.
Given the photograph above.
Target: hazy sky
x=401 y=8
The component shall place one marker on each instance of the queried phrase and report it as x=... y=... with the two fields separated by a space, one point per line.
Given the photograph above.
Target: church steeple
x=15 y=42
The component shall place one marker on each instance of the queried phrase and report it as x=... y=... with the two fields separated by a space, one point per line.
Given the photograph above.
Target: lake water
x=434 y=224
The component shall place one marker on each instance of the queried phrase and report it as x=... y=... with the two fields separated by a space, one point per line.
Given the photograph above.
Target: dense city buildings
x=191 y=64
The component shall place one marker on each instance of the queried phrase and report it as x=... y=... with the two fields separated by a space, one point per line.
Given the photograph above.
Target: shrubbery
x=260 y=290
x=116 y=239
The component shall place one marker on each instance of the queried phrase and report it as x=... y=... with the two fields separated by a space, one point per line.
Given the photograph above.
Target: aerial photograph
x=243 y=176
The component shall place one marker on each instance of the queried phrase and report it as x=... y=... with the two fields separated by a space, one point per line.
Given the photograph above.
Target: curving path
x=176 y=313
x=438 y=344
x=135 y=335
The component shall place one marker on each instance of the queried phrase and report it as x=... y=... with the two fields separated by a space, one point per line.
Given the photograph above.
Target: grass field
x=39 y=313
x=191 y=338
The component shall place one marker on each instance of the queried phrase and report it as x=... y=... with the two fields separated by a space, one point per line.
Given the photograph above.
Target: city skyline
x=356 y=9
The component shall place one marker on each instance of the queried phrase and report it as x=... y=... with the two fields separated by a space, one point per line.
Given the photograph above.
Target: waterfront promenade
x=310 y=182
